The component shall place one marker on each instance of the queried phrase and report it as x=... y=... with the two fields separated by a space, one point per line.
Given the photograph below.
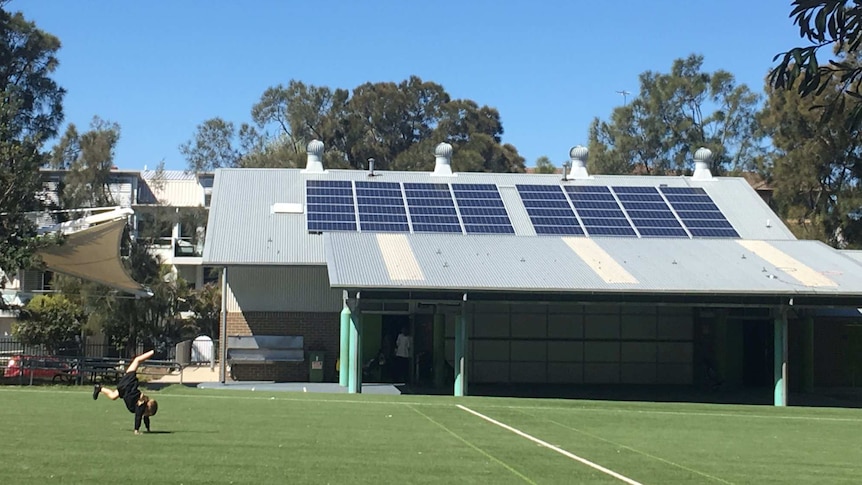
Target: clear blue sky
x=159 y=68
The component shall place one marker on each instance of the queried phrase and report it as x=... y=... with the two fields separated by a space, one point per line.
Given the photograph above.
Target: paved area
x=204 y=377
x=191 y=375
x=321 y=387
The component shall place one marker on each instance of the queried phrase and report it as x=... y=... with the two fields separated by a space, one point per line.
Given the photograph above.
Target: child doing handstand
x=136 y=401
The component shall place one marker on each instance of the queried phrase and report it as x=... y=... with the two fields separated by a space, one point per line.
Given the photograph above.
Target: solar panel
x=549 y=210
x=482 y=209
x=698 y=212
x=599 y=211
x=330 y=205
x=381 y=207
x=431 y=208
x=649 y=213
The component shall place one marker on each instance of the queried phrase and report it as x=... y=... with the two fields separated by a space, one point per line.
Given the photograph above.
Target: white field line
x=234 y=394
x=552 y=447
x=632 y=449
x=471 y=445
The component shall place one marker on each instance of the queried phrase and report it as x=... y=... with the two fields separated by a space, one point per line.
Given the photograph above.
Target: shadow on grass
x=836 y=398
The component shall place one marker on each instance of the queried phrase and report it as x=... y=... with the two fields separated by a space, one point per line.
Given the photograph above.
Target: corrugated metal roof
x=242 y=229
x=516 y=264
x=854 y=254
x=174 y=188
x=168 y=175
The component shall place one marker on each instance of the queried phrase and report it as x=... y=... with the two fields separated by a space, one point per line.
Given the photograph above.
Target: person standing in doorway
x=403 y=349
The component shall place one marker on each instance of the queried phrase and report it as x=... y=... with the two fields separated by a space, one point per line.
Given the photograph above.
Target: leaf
x=820 y=24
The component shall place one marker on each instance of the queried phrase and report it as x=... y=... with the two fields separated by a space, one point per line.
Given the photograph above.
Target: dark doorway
x=758 y=353
x=423 y=349
x=390 y=328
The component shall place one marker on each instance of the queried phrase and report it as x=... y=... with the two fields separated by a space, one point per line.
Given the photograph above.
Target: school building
x=529 y=279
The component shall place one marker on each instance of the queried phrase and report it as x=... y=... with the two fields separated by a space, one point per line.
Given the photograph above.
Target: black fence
x=87 y=363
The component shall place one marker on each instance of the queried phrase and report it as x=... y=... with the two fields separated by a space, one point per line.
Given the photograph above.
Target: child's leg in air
x=138 y=360
x=111 y=394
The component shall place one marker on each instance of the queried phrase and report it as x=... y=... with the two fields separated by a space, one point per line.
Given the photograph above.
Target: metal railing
x=77 y=364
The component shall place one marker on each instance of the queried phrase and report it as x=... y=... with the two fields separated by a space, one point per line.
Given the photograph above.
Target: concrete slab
x=321 y=387
x=190 y=375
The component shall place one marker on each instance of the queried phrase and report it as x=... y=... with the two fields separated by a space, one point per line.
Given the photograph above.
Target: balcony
x=184 y=248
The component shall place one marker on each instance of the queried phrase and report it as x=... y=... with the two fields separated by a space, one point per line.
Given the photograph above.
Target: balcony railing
x=184 y=248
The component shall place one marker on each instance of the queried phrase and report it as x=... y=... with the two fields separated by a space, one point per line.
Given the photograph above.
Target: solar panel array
x=649 y=213
x=381 y=207
x=549 y=210
x=599 y=211
x=330 y=205
x=405 y=207
x=482 y=209
x=432 y=208
x=574 y=210
x=698 y=212
x=596 y=210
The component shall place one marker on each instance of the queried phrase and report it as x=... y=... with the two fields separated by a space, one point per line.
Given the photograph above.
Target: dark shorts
x=128 y=384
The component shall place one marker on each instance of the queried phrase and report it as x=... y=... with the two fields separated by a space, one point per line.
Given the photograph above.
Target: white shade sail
x=94 y=254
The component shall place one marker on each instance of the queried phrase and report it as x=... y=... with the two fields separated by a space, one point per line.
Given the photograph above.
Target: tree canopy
x=815 y=166
x=49 y=320
x=835 y=24
x=88 y=157
x=672 y=115
x=30 y=114
x=544 y=165
x=396 y=124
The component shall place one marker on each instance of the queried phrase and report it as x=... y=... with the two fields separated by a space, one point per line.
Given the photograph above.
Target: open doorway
x=395 y=369
x=758 y=353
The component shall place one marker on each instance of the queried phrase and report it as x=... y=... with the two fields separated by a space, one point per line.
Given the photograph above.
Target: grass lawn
x=60 y=435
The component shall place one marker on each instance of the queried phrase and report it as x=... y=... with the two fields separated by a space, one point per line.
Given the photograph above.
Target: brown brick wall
x=320 y=331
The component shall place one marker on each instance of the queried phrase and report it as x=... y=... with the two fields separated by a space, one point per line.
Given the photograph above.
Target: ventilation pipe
x=578 y=156
x=443 y=162
x=314 y=150
x=702 y=159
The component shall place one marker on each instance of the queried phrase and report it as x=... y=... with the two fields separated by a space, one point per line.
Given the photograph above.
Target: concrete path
x=205 y=378
x=191 y=375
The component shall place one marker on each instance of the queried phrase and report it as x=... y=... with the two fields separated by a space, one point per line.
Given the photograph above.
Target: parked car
x=41 y=367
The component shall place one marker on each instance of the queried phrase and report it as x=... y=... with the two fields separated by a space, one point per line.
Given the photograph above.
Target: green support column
x=808 y=355
x=461 y=353
x=780 y=362
x=354 y=383
x=439 y=350
x=344 y=354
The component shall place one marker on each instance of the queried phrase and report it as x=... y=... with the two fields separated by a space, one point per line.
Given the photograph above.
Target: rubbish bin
x=315 y=366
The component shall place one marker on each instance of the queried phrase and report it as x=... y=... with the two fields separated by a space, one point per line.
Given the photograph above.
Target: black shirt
x=128 y=389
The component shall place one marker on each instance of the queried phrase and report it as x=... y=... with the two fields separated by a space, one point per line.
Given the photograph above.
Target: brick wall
x=320 y=331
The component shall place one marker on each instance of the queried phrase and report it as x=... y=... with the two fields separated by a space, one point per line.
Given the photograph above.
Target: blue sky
x=160 y=68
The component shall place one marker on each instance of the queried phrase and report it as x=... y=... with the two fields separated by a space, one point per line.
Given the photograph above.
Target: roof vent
x=702 y=158
x=315 y=157
x=578 y=155
x=443 y=162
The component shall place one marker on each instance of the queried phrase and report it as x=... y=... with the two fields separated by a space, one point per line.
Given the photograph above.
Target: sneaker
x=97 y=389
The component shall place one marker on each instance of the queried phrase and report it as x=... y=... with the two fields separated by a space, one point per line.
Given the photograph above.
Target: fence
x=65 y=362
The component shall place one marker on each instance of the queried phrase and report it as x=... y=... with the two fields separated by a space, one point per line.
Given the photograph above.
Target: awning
x=94 y=254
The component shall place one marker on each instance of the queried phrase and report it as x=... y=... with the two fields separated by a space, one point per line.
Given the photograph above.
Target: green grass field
x=60 y=435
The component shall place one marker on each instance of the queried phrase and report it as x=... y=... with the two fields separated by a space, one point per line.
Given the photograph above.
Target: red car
x=41 y=367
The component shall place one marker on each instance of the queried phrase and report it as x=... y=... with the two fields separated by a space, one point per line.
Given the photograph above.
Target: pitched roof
x=245 y=227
